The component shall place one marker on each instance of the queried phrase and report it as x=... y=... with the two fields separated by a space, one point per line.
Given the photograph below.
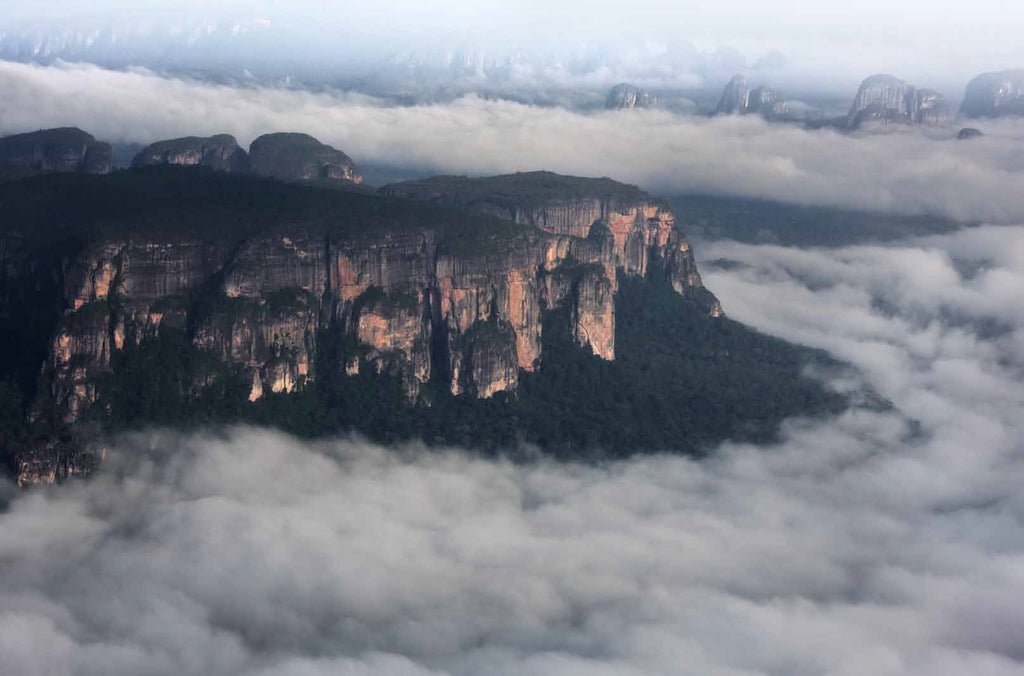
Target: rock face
x=63 y=150
x=995 y=94
x=739 y=99
x=884 y=99
x=300 y=157
x=220 y=152
x=626 y=96
x=361 y=283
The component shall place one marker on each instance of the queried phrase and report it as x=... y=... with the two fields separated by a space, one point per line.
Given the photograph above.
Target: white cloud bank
x=862 y=545
x=905 y=172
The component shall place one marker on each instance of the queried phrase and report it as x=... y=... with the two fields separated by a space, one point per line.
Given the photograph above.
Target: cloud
x=905 y=172
x=881 y=542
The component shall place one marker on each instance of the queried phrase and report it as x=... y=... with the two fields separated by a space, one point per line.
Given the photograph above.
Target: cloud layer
x=905 y=172
x=883 y=542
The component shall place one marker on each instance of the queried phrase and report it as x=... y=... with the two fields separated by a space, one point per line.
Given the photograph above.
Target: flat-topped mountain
x=995 y=94
x=885 y=99
x=513 y=308
x=61 y=150
x=220 y=152
x=300 y=157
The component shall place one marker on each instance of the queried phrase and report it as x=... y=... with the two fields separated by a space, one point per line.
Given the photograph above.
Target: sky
x=825 y=47
x=884 y=542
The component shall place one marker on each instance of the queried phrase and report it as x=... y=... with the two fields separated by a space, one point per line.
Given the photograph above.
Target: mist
x=905 y=171
x=887 y=541
x=817 y=48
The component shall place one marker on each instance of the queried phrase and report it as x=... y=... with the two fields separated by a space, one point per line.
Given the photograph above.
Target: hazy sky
x=937 y=43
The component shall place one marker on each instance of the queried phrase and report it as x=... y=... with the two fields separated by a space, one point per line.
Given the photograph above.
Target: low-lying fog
x=882 y=542
x=904 y=171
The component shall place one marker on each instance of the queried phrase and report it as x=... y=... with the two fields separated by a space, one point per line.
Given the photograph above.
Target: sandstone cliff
x=63 y=150
x=995 y=94
x=303 y=282
x=300 y=157
x=884 y=99
x=220 y=152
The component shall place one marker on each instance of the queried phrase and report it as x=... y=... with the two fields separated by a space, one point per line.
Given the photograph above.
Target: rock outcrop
x=300 y=157
x=995 y=94
x=625 y=96
x=884 y=99
x=220 y=152
x=359 y=283
x=62 y=150
x=738 y=98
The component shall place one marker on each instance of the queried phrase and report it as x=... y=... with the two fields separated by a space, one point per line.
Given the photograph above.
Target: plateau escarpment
x=884 y=99
x=262 y=288
x=63 y=150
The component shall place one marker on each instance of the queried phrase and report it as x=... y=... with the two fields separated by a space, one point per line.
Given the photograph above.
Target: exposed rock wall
x=417 y=306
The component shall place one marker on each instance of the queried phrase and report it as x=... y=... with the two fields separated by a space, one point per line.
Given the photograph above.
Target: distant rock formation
x=968 y=132
x=995 y=94
x=220 y=152
x=884 y=99
x=739 y=99
x=626 y=96
x=66 y=150
x=300 y=157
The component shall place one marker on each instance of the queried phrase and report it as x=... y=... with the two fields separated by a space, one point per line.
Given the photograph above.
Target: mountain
x=884 y=99
x=300 y=157
x=995 y=94
x=67 y=149
x=558 y=311
x=625 y=96
x=219 y=152
x=739 y=99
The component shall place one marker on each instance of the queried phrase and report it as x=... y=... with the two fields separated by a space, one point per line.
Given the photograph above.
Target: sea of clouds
x=883 y=542
x=903 y=171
